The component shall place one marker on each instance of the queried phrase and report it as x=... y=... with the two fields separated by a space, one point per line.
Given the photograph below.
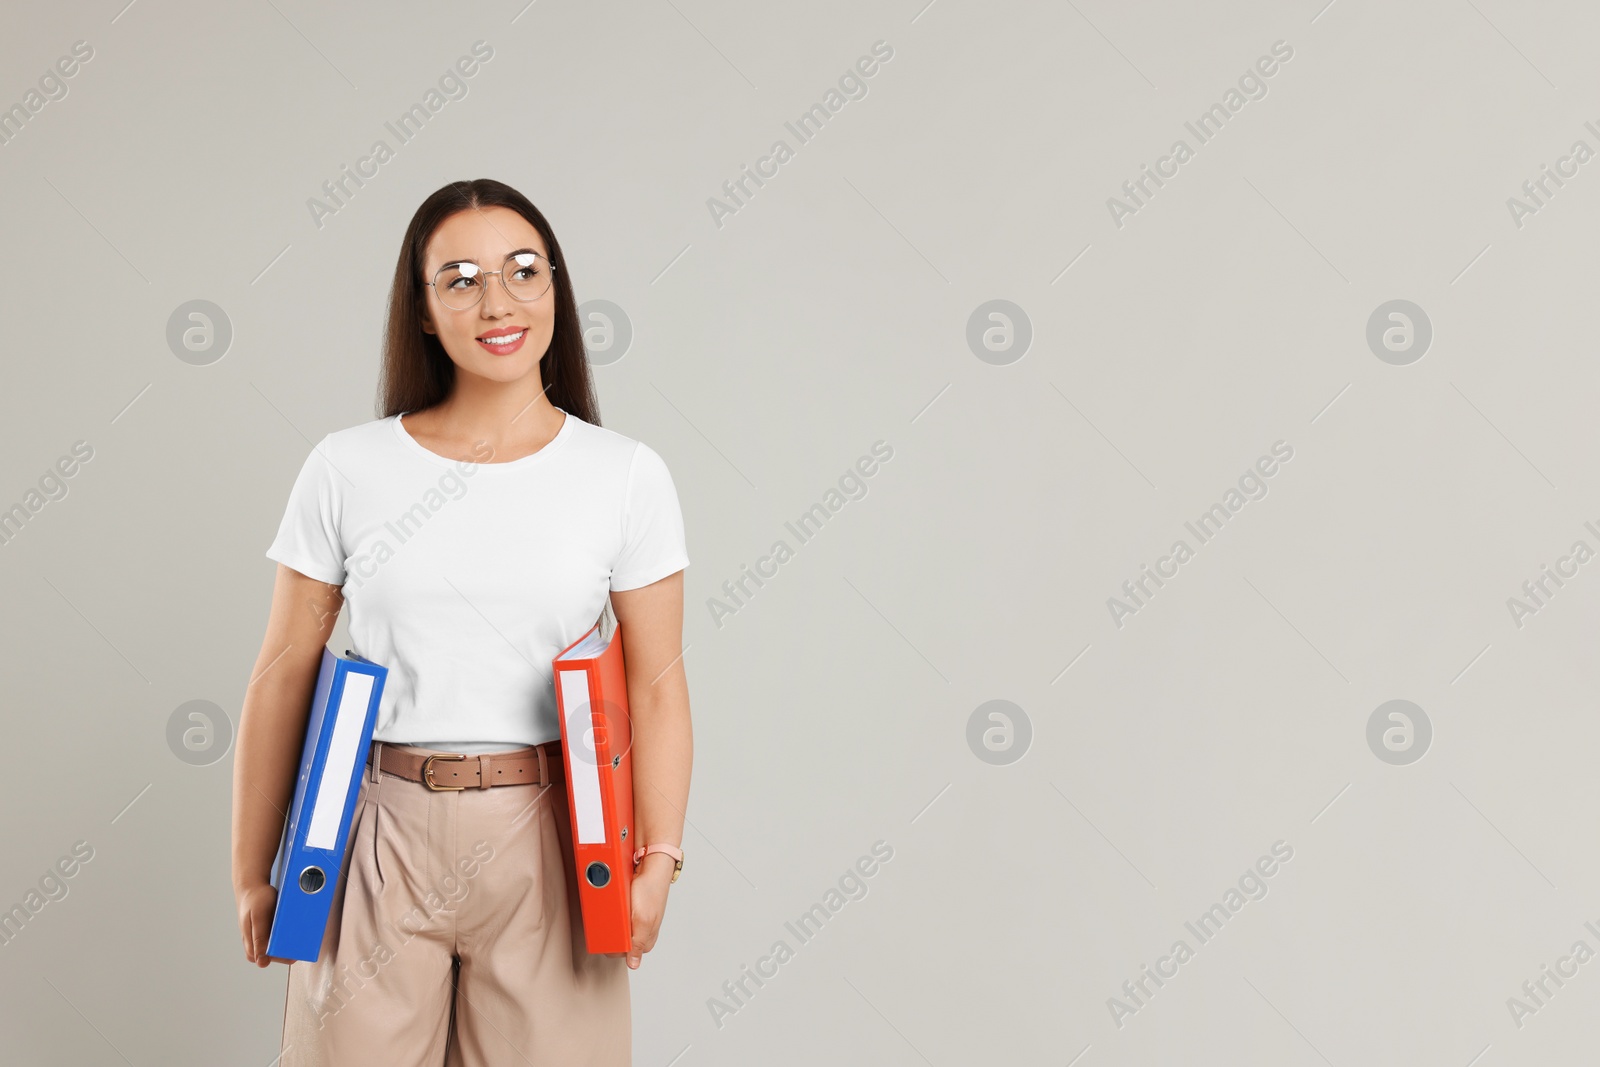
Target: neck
x=480 y=409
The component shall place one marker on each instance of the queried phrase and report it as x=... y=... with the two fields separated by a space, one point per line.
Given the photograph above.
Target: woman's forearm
x=663 y=754
x=272 y=725
x=651 y=620
x=272 y=720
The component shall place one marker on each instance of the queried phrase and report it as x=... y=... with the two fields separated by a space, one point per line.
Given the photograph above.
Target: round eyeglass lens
x=460 y=285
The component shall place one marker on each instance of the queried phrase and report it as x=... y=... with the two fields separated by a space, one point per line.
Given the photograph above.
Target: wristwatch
x=674 y=852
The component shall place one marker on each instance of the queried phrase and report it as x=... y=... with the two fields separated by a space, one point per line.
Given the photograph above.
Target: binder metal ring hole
x=598 y=874
x=312 y=879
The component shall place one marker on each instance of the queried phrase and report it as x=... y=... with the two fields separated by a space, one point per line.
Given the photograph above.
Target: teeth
x=505 y=340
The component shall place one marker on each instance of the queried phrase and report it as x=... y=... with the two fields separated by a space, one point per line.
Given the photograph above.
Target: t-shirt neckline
x=519 y=463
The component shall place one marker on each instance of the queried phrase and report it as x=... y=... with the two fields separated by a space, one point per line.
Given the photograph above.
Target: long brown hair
x=416 y=373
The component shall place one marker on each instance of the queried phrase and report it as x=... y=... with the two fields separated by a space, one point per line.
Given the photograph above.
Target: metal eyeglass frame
x=501 y=272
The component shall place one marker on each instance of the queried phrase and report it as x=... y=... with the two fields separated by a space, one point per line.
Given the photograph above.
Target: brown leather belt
x=439 y=771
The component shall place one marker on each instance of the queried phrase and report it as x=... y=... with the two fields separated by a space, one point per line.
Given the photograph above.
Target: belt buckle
x=427 y=771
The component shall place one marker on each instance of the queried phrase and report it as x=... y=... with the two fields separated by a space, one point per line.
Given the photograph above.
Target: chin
x=502 y=370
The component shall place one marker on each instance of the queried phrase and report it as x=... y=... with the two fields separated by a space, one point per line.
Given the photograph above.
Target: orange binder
x=592 y=697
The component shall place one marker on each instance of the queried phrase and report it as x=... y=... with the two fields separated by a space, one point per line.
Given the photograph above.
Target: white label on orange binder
x=583 y=769
x=340 y=764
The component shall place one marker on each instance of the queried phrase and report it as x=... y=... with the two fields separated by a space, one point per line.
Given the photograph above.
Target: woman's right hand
x=256 y=905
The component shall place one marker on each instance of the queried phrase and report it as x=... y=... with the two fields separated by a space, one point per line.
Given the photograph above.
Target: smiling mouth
x=504 y=339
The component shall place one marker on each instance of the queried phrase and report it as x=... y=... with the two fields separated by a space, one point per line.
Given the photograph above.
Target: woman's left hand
x=649 y=903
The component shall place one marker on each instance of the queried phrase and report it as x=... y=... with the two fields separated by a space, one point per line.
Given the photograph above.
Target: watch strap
x=671 y=850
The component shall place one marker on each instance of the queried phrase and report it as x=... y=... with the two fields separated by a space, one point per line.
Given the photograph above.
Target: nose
x=496 y=298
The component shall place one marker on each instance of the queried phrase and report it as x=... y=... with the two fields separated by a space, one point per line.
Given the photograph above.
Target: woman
x=475 y=530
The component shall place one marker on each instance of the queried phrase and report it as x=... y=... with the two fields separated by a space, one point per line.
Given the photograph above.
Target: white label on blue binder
x=582 y=767
x=340 y=765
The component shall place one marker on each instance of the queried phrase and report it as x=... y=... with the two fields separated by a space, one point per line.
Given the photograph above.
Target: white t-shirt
x=465 y=579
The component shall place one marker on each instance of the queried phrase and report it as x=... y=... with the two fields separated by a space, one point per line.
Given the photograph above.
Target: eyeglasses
x=525 y=275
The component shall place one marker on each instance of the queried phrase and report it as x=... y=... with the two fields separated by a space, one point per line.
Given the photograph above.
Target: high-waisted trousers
x=456 y=940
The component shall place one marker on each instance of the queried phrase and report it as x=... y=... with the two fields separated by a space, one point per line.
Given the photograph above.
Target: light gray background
x=768 y=355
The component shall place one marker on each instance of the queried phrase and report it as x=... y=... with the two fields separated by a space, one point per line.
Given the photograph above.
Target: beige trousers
x=456 y=940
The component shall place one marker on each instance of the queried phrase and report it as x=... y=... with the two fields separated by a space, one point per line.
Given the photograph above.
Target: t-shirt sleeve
x=308 y=537
x=652 y=524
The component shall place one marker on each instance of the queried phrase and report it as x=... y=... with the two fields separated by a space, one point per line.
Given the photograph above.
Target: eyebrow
x=508 y=255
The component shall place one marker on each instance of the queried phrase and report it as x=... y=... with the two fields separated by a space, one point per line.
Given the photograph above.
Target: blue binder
x=344 y=709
